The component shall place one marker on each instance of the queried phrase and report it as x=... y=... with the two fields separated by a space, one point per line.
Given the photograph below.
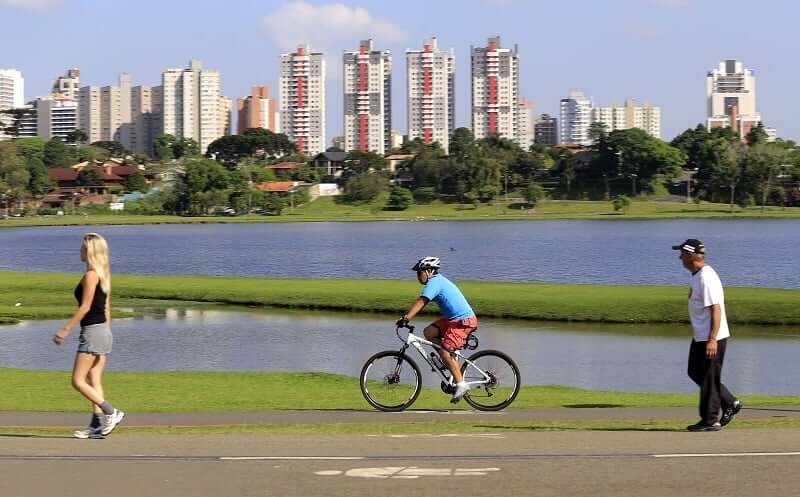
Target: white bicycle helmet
x=428 y=263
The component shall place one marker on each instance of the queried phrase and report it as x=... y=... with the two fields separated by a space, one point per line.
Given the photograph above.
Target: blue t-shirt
x=450 y=299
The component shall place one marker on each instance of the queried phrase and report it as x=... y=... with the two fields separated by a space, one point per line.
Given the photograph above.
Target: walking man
x=707 y=351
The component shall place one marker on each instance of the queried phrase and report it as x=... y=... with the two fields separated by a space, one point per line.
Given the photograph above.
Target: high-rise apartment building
x=731 y=98
x=68 y=84
x=302 y=99
x=225 y=108
x=191 y=100
x=104 y=113
x=576 y=117
x=645 y=117
x=12 y=89
x=257 y=110
x=526 y=122
x=495 y=86
x=430 y=82
x=367 y=99
x=546 y=130
x=146 y=121
x=56 y=117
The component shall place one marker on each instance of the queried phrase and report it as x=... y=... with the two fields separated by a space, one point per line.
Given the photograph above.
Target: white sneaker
x=461 y=389
x=89 y=432
x=110 y=421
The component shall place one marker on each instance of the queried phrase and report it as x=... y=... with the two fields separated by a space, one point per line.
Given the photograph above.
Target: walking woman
x=94 y=315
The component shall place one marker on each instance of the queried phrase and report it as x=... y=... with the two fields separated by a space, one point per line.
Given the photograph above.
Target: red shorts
x=453 y=332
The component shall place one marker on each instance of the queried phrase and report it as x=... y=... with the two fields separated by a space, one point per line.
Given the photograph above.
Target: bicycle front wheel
x=390 y=381
x=503 y=384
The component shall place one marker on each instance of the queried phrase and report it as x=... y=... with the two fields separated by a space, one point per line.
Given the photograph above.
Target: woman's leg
x=80 y=372
x=95 y=379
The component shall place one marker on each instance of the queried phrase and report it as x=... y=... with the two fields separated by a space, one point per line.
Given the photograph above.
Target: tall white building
x=495 y=89
x=191 y=104
x=576 y=117
x=731 y=98
x=526 y=123
x=146 y=119
x=67 y=85
x=430 y=82
x=645 y=117
x=302 y=91
x=104 y=113
x=367 y=99
x=56 y=117
x=12 y=89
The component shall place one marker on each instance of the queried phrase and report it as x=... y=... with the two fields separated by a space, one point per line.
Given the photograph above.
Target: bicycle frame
x=418 y=344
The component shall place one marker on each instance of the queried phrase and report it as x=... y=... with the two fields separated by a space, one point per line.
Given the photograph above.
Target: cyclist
x=457 y=322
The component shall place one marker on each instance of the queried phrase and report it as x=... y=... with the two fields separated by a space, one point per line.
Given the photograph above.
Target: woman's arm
x=90 y=280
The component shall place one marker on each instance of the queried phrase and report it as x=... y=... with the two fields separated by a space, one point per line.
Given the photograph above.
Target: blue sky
x=654 y=50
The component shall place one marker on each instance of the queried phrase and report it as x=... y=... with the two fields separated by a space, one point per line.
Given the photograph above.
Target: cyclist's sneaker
x=461 y=389
x=110 y=421
x=730 y=412
x=89 y=432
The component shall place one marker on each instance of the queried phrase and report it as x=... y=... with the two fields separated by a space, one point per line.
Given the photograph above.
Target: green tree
x=728 y=169
x=136 y=182
x=757 y=136
x=364 y=187
x=533 y=193
x=114 y=148
x=39 y=183
x=762 y=163
x=56 y=153
x=621 y=203
x=14 y=176
x=399 y=199
x=89 y=176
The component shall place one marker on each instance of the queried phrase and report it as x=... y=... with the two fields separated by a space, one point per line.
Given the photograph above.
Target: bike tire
x=478 y=397
x=379 y=395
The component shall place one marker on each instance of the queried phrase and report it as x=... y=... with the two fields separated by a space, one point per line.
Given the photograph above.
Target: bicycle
x=391 y=381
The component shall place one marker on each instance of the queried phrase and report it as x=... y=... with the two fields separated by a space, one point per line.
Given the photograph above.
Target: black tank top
x=97 y=311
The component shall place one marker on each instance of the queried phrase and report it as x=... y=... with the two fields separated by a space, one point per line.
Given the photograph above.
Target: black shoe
x=729 y=413
x=703 y=426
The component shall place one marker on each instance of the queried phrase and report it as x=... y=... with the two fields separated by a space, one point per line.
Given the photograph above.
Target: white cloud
x=327 y=28
x=28 y=4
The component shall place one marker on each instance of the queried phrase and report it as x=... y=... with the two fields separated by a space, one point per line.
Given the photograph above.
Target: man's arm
x=415 y=308
x=711 y=344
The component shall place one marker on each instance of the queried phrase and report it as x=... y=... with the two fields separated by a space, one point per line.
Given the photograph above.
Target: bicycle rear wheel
x=390 y=381
x=504 y=383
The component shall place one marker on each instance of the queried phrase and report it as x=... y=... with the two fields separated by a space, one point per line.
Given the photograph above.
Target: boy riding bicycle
x=457 y=322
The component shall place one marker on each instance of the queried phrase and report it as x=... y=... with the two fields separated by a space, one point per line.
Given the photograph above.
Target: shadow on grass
x=569 y=428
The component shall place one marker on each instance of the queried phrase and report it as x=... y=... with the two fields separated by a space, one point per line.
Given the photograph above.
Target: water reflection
x=613 y=357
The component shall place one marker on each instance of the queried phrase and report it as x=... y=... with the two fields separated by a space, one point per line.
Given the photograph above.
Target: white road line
x=731 y=454
x=291 y=458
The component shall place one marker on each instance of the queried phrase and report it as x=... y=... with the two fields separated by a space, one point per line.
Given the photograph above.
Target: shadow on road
x=24 y=435
x=552 y=428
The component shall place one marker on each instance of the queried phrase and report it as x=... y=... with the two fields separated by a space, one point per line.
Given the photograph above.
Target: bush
x=399 y=199
x=621 y=203
x=425 y=195
x=533 y=193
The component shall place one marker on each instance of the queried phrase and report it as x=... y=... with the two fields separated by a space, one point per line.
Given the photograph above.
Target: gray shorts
x=95 y=339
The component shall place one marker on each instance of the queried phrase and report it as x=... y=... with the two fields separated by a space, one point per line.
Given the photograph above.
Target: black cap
x=692 y=245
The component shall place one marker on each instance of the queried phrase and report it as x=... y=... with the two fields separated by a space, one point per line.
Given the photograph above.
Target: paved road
x=730 y=463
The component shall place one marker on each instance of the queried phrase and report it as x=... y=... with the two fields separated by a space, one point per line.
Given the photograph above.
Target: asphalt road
x=729 y=463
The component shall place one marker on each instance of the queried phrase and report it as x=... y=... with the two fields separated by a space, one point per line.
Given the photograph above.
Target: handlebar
x=409 y=327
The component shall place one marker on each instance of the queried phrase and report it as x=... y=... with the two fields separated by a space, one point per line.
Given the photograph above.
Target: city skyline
x=658 y=68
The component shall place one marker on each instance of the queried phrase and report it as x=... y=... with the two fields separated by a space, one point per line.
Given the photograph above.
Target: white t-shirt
x=705 y=290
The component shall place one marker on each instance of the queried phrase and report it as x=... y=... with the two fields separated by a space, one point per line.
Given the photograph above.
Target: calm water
x=612 y=358
x=745 y=253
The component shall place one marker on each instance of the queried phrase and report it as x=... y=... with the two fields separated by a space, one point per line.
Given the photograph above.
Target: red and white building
x=430 y=79
x=367 y=99
x=495 y=90
x=302 y=99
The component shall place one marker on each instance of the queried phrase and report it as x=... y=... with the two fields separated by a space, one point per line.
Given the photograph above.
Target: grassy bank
x=49 y=295
x=24 y=390
x=327 y=209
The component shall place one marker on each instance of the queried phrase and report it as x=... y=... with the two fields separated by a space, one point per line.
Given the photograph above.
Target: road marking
x=731 y=454
x=291 y=458
x=406 y=472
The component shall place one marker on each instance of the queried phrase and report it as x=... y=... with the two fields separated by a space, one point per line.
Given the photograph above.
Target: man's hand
x=402 y=322
x=711 y=349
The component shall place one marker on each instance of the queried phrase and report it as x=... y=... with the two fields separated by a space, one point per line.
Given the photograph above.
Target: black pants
x=707 y=373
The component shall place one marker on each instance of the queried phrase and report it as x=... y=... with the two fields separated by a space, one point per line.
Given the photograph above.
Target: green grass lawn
x=49 y=295
x=24 y=390
x=327 y=209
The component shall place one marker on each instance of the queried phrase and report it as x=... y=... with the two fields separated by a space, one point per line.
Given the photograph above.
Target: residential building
x=338 y=142
x=302 y=99
x=396 y=140
x=104 y=114
x=67 y=85
x=495 y=86
x=731 y=98
x=367 y=99
x=330 y=163
x=645 y=117
x=12 y=89
x=772 y=134
x=430 y=104
x=257 y=110
x=576 y=117
x=146 y=119
x=191 y=100
x=526 y=122
x=225 y=108
x=56 y=117
x=546 y=130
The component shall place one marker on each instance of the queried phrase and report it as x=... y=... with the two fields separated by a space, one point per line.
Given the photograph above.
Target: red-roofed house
x=284 y=187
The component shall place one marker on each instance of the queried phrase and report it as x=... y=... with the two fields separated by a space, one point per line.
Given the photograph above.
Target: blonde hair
x=97 y=258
